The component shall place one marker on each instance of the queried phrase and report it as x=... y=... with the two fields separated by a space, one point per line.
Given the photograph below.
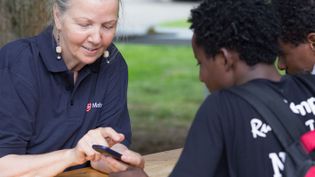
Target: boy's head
x=297 y=40
x=230 y=30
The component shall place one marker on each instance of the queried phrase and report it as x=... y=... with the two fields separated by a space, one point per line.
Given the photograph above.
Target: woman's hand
x=101 y=136
x=108 y=164
x=133 y=158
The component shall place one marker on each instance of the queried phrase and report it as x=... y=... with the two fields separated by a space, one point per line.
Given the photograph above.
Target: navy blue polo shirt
x=41 y=110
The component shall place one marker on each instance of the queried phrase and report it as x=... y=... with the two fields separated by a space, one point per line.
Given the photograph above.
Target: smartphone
x=107 y=151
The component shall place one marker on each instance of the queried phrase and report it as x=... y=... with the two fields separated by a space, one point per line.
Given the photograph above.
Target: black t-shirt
x=228 y=138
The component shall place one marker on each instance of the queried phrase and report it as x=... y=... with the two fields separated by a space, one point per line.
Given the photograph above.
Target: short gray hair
x=62 y=5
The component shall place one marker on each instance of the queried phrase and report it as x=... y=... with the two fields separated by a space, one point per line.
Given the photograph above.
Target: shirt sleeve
x=203 y=150
x=17 y=105
x=115 y=111
x=17 y=98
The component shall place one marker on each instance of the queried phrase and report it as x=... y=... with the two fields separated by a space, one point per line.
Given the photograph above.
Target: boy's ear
x=311 y=40
x=229 y=58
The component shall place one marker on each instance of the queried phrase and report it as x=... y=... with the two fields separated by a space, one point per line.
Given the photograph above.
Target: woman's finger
x=133 y=158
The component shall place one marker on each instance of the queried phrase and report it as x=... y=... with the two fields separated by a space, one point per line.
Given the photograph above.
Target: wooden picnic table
x=156 y=165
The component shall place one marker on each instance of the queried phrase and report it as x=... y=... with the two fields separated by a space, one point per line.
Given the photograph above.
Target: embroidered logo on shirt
x=95 y=105
x=259 y=129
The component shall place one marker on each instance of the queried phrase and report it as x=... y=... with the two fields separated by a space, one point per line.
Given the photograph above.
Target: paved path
x=137 y=16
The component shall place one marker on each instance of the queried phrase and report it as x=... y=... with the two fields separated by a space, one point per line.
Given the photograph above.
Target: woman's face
x=86 y=29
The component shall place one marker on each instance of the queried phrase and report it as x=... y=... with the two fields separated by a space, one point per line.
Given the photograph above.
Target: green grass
x=176 y=24
x=163 y=96
x=163 y=83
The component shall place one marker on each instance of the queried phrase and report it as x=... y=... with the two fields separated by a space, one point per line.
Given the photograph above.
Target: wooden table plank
x=161 y=164
x=156 y=165
x=83 y=172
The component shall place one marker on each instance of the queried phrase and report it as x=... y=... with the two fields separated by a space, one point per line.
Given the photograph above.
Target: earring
x=106 y=55
x=58 y=47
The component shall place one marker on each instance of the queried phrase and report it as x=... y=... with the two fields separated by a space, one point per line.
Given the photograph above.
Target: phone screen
x=107 y=151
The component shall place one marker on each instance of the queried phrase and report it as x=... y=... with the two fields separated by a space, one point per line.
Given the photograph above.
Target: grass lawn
x=183 y=23
x=163 y=96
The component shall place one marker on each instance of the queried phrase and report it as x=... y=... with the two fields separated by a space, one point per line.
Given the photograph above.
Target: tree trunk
x=22 y=18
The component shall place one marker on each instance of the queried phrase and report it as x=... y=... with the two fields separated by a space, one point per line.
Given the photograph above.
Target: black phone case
x=107 y=151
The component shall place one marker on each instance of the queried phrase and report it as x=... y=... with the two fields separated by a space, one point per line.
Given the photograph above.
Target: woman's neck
x=72 y=65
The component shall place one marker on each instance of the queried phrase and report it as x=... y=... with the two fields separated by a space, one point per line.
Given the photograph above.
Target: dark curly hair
x=248 y=27
x=297 y=18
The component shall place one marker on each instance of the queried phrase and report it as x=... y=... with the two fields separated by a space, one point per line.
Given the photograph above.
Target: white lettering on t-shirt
x=310 y=124
x=304 y=107
x=259 y=129
x=277 y=161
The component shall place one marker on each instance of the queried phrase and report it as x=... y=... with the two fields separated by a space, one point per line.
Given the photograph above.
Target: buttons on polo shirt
x=71 y=102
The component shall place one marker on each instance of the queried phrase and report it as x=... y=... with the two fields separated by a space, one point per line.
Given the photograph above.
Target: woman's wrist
x=73 y=158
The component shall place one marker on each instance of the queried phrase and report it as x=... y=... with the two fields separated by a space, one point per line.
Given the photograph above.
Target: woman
x=64 y=91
